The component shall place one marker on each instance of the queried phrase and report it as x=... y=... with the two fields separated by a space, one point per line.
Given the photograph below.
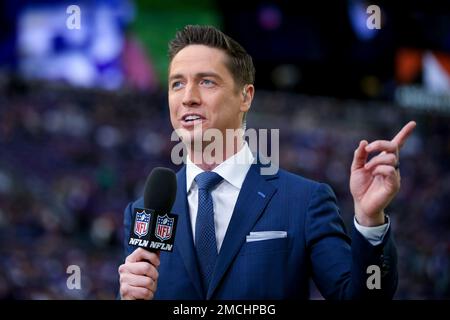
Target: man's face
x=202 y=92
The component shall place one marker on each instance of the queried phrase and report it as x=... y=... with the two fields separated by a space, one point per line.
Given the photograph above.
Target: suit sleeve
x=340 y=265
x=127 y=218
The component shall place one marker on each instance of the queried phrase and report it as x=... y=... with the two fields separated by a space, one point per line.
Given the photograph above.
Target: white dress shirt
x=233 y=171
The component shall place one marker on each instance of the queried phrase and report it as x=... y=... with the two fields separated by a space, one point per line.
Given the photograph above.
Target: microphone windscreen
x=160 y=190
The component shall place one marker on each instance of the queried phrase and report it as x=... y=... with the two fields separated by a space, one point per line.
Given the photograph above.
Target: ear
x=248 y=93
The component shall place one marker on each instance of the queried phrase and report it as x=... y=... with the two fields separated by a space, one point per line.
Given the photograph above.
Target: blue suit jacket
x=316 y=246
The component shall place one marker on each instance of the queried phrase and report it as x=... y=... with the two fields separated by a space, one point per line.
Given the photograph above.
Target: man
x=244 y=235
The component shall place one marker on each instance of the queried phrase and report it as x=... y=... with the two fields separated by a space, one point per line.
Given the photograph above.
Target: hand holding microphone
x=152 y=229
x=139 y=275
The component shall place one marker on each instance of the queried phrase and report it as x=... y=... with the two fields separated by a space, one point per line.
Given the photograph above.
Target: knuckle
x=124 y=290
x=147 y=269
x=139 y=250
x=153 y=273
x=125 y=278
x=148 y=282
x=129 y=257
x=124 y=268
x=155 y=259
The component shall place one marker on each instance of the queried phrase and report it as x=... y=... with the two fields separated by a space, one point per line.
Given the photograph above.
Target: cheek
x=173 y=121
x=173 y=111
x=172 y=103
x=231 y=110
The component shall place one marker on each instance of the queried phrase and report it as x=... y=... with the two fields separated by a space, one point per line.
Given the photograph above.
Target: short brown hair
x=239 y=64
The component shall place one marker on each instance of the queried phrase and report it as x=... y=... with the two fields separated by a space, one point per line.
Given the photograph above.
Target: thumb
x=360 y=156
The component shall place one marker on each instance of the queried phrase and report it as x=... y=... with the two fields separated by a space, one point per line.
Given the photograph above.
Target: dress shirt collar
x=233 y=170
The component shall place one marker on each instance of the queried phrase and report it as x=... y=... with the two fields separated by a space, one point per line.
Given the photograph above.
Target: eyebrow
x=197 y=75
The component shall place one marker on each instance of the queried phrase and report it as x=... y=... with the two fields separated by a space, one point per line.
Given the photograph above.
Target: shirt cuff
x=374 y=235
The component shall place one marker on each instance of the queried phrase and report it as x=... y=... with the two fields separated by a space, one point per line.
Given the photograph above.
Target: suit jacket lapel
x=184 y=237
x=254 y=196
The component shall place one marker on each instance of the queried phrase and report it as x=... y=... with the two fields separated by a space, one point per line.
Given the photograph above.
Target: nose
x=191 y=96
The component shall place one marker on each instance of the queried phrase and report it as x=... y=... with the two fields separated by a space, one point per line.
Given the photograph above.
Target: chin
x=190 y=137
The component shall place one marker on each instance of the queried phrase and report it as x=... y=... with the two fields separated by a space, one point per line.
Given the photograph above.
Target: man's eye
x=176 y=84
x=207 y=82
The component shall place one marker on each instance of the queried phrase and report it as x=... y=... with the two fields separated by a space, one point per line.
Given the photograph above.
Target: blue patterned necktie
x=205 y=234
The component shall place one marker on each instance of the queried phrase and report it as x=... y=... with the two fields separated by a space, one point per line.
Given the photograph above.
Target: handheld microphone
x=153 y=226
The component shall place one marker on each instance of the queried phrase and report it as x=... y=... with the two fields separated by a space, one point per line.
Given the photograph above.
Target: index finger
x=141 y=254
x=406 y=131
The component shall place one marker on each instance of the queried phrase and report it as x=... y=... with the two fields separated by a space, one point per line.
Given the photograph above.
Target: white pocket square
x=265 y=235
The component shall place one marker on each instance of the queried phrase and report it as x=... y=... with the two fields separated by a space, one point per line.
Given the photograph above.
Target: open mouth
x=191 y=119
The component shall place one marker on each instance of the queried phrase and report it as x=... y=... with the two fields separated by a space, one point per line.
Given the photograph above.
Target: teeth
x=191 y=118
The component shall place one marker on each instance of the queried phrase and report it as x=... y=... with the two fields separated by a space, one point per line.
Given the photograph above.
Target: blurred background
x=84 y=119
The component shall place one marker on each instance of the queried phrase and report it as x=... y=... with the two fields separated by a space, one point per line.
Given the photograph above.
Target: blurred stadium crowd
x=71 y=160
